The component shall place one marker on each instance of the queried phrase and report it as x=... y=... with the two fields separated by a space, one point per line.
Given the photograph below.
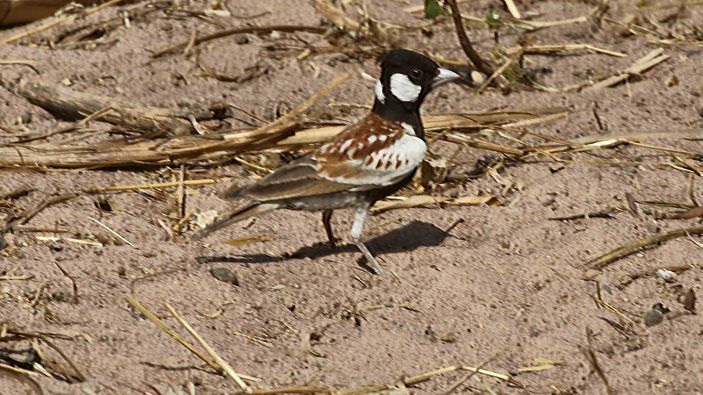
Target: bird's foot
x=333 y=242
x=371 y=261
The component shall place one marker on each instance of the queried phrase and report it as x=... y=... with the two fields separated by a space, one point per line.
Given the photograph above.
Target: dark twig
x=591 y=356
x=73 y=281
x=31 y=213
x=16 y=193
x=465 y=42
x=607 y=213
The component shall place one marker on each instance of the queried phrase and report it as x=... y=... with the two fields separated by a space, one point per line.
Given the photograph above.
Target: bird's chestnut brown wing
x=371 y=153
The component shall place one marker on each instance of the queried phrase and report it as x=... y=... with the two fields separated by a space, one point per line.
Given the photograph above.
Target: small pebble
x=225 y=275
x=689 y=301
x=653 y=317
x=666 y=275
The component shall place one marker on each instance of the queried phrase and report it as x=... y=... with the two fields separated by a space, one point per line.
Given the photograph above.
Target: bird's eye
x=416 y=74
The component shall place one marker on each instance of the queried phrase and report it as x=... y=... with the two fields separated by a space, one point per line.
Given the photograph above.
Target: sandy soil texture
x=511 y=285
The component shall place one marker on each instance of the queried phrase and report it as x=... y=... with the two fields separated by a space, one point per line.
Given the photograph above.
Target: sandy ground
x=501 y=286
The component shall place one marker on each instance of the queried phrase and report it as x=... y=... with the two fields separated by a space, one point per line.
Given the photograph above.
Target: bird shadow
x=410 y=237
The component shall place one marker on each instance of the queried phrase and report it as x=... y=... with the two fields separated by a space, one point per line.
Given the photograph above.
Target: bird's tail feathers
x=240 y=214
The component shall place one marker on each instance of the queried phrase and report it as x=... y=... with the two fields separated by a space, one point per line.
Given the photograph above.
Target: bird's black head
x=406 y=79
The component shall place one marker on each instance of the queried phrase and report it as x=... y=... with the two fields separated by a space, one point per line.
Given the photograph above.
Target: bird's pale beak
x=444 y=76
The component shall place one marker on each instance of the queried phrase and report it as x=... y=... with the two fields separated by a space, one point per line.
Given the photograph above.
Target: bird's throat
x=398 y=112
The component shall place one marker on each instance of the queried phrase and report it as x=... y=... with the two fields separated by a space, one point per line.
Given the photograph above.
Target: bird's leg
x=357 y=228
x=326 y=217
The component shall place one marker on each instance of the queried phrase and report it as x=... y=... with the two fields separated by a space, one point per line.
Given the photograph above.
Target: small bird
x=364 y=163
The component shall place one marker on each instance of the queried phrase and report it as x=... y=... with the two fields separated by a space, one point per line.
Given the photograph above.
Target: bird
x=367 y=161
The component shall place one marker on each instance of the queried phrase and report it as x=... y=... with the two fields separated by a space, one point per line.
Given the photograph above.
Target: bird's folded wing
x=297 y=179
x=369 y=154
x=386 y=165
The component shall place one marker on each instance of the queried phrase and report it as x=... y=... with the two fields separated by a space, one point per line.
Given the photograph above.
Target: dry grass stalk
x=552 y=48
x=537 y=25
x=427 y=200
x=378 y=388
x=506 y=64
x=50 y=368
x=16 y=278
x=512 y=8
x=281 y=133
x=291 y=389
x=71 y=104
x=171 y=332
x=309 y=102
x=215 y=362
x=426 y=376
x=697 y=170
x=662 y=5
x=137 y=187
x=17 y=61
x=158 y=150
x=58 y=21
x=692 y=190
x=218 y=360
x=444 y=122
x=21 y=375
x=590 y=143
x=336 y=15
x=181 y=193
x=107 y=228
x=29 y=63
x=665 y=149
x=456 y=385
x=686 y=133
x=609 y=257
x=641 y=65
x=76 y=375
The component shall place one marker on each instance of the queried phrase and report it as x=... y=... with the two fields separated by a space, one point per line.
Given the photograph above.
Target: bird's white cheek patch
x=404 y=89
